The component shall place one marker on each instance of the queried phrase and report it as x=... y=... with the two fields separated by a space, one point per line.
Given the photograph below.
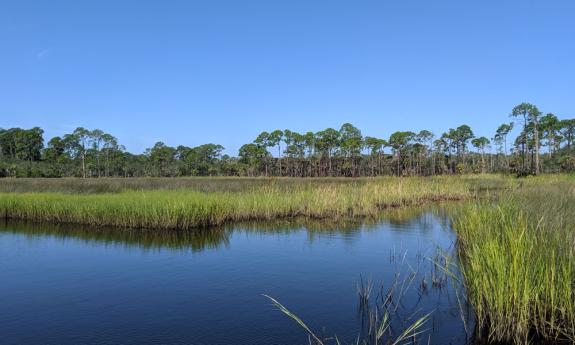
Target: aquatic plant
x=390 y=315
x=518 y=260
x=379 y=328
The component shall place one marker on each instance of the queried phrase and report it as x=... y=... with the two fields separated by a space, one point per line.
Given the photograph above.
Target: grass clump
x=253 y=199
x=518 y=260
x=385 y=320
x=380 y=327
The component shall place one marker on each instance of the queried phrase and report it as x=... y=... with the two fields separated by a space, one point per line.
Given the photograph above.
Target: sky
x=215 y=71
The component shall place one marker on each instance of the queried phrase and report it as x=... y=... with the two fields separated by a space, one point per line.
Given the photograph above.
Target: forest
x=544 y=144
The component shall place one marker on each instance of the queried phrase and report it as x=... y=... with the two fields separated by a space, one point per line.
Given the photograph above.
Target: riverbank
x=518 y=261
x=189 y=203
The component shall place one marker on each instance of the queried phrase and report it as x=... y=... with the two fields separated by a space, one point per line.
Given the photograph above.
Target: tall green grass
x=116 y=185
x=264 y=199
x=209 y=184
x=518 y=261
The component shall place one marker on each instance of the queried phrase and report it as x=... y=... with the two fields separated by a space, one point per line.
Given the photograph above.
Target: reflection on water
x=144 y=239
x=197 y=240
x=66 y=284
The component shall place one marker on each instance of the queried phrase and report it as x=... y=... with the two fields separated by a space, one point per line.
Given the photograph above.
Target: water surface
x=72 y=285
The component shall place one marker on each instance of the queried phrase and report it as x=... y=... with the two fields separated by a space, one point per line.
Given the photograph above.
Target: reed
x=382 y=321
x=518 y=261
x=213 y=184
x=194 y=204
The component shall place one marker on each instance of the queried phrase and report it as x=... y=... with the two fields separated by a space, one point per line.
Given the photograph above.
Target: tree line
x=544 y=144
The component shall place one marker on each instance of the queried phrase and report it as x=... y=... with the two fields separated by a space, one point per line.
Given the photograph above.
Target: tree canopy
x=544 y=143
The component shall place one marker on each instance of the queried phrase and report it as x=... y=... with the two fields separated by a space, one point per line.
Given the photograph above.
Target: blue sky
x=192 y=72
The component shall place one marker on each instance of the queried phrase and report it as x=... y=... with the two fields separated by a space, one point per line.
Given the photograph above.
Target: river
x=65 y=284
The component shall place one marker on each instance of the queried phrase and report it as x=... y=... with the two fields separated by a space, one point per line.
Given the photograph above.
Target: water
x=69 y=285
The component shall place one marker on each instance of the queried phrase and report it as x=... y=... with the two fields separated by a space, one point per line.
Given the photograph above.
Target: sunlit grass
x=518 y=261
x=252 y=199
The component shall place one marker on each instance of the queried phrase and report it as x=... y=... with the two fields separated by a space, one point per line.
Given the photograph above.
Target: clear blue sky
x=192 y=72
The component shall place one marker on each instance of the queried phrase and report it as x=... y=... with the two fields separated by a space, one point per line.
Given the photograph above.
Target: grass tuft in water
x=380 y=330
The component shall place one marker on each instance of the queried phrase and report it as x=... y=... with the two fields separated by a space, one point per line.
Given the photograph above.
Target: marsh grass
x=380 y=320
x=117 y=185
x=213 y=184
x=191 y=203
x=518 y=261
x=392 y=314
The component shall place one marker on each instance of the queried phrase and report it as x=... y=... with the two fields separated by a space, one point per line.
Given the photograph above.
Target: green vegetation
x=250 y=199
x=544 y=144
x=380 y=327
x=518 y=260
x=516 y=252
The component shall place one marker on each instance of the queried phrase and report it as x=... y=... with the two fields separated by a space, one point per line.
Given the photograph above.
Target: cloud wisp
x=42 y=54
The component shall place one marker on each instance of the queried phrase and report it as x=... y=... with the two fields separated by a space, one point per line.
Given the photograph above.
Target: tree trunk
x=536 y=148
x=83 y=164
x=280 y=159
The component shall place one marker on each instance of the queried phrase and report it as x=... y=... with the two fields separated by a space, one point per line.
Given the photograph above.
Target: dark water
x=69 y=285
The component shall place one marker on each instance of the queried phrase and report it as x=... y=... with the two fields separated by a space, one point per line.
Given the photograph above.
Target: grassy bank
x=518 y=260
x=188 y=203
